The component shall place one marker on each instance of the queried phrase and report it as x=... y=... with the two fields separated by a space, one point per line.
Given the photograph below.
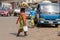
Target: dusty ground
x=8 y=30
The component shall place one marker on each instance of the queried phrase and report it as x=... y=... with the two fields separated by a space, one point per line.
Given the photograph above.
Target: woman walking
x=32 y=14
x=22 y=21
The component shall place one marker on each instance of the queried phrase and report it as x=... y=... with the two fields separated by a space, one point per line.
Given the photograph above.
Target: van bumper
x=49 y=22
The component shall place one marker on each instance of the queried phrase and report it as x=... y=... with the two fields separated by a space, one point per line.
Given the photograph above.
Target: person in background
x=22 y=21
x=32 y=15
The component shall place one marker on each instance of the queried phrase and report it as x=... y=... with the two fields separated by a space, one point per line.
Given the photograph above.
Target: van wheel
x=38 y=25
x=56 y=25
x=15 y=14
x=1 y=15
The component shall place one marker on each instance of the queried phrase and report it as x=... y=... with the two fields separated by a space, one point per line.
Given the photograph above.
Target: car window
x=27 y=9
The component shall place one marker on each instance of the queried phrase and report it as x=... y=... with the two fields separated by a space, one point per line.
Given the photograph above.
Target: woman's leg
x=25 y=33
x=32 y=26
x=33 y=23
x=19 y=31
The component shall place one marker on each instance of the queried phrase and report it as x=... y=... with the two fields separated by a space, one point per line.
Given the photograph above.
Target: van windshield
x=50 y=8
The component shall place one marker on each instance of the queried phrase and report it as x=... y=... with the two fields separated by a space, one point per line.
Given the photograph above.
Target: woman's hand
x=16 y=22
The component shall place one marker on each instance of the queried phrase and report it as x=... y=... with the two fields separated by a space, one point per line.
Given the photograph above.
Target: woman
x=22 y=21
x=32 y=14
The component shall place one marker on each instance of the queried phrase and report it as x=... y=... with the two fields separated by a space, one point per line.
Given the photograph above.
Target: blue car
x=48 y=14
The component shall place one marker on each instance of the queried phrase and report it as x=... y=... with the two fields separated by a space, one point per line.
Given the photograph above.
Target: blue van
x=48 y=13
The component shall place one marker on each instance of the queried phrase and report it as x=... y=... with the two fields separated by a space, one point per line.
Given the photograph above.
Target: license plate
x=51 y=22
x=2 y=13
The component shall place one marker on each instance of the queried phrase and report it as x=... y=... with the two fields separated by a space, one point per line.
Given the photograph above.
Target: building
x=55 y=1
x=28 y=1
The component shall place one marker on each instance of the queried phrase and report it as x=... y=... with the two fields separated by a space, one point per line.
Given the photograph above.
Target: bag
x=25 y=28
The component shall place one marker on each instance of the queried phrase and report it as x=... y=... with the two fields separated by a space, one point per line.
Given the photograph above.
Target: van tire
x=15 y=14
x=56 y=25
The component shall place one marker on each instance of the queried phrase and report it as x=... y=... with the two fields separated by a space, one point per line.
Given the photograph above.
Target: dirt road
x=8 y=30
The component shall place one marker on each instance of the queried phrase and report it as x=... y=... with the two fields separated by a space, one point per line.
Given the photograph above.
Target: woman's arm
x=17 y=20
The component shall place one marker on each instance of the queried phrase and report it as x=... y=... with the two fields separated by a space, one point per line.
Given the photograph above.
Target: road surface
x=8 y=31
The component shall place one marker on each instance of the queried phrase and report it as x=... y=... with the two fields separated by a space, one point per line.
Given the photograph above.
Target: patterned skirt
x=32 y=21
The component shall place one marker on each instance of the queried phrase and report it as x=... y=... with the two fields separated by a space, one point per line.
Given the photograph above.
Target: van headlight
x=41 y=19
x=57 y=19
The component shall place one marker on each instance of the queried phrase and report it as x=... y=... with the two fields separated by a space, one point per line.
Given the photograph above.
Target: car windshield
x=50 y=8
x=0 y=8
x=4 y=8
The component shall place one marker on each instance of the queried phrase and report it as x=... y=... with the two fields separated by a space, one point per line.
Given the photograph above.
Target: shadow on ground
x=15 y=34
x=46 y=26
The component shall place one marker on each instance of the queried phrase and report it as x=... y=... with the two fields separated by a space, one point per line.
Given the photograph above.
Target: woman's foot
x=25 y=33
x=18 y=32
x=58 y=33
x=32 y=26
x=17 y=35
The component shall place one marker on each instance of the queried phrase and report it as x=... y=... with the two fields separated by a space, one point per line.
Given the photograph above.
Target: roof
x=46 y=2
x=9 y=0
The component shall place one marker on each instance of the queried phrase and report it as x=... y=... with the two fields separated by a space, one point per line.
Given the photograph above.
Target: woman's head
x=22 y=9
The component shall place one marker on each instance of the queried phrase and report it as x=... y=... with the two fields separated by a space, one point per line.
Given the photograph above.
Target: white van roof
x=46 y=2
